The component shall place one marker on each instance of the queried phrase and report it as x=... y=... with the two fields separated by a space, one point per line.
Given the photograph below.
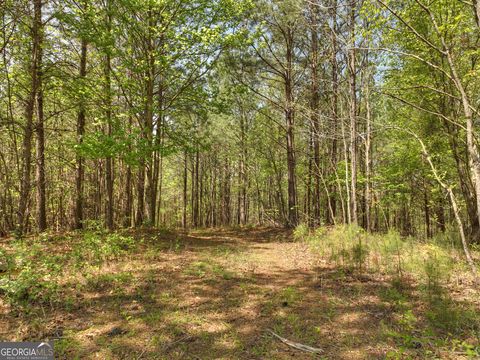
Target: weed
x=202 y=269
x=97 y=248
x=66 y=348
x=102 y=281
x=176 y=244
x=31 y=276
x=197 y=268
x=446 y=315
x=289 y=296
x=300 y=232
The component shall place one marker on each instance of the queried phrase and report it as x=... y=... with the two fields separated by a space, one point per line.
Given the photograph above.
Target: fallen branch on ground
x=296 y=345
x=168 y=347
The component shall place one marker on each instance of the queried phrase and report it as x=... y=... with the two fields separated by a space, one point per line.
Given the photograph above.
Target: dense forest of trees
x=121 y=113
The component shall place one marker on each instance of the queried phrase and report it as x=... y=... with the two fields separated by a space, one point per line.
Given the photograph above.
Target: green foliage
x=31 y=277
x=300 y=231
x=395 y=294
x=289 y=295
x=66 y=347
x=344 y=245
x=203 y=269
x=30 y=286
x=102 y=281
x=97 y=247
x=432 y=262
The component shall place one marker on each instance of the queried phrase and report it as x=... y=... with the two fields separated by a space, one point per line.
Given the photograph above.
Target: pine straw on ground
x=214 y=294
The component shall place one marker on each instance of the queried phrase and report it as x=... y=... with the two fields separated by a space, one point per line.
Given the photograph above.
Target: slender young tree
x=34 y=66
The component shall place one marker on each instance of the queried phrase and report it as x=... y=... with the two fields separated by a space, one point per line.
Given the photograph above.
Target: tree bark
x=140 y=213
x=29 y=114
x=40 y=148
x=368 y=149
x=334 y=64
x=185 y=189
x=151 y=191
x=108 y=113
x=353 y=117
x=127 y=210
x=290 y=123
x=315 y=116
x=79 y=173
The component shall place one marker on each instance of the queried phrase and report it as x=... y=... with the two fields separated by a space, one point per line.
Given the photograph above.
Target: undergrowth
x=32 y=269
x=434 y=266
x=434 y=261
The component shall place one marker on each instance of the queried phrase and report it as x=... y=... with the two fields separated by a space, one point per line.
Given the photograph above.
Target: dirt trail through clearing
x=214 y=295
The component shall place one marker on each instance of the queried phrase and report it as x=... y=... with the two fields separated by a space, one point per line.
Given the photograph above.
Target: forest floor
x=215 y=294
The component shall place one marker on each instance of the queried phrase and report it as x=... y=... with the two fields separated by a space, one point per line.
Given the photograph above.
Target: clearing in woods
x=215 y=294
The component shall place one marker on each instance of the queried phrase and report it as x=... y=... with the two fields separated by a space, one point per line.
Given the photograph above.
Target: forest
x=241 y=179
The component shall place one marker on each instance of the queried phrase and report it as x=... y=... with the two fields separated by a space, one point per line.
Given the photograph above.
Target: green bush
x=96 y=247
x=31 y=273
x=31 y=285
x=301 y=232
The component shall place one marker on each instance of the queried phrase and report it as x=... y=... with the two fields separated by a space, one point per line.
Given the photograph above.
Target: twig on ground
x=296 y=345
x=141 y=354
x=173 y=343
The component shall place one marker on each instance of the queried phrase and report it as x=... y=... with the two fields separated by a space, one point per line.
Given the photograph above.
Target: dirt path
x=214 y=295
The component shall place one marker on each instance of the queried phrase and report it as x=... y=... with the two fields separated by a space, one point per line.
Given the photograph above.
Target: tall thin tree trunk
x=368 y=149
x=127 y=210
x=79 y=174
x=40 y=155
x=334 y=65
x=290 y=123
x=185 y=190
x=426 y=208
x=151 y=192
x=315 y=116
x=347 y=174
x=140 y=213
x=108 y=113
x=29 y=113
x=353 y=116
x=196 y=202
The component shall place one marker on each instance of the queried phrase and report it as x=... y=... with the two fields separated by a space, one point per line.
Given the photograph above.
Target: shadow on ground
x=214 y=294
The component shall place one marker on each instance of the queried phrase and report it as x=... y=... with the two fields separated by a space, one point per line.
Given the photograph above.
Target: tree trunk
x=151 y=163
x=127 y=210
x=196 y=201
x=315 y=116
x=40 y=155
x=140 y=213
x=290 y=123
x=353 y=116
x=108 y=113
x=426 y=208
x=79 y=174
x=28 y=127
x=185 y=199
x=368 y=149
x=333 y=160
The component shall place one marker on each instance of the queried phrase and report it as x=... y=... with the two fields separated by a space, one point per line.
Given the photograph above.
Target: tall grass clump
x=345 y=245
x=430 y=261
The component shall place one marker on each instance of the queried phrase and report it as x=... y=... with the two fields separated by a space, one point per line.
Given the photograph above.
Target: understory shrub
x=31 y=273
x=97 y=247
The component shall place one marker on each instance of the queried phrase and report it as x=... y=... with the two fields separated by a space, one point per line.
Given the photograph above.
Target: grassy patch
x=110 y=280
x=203 y=269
